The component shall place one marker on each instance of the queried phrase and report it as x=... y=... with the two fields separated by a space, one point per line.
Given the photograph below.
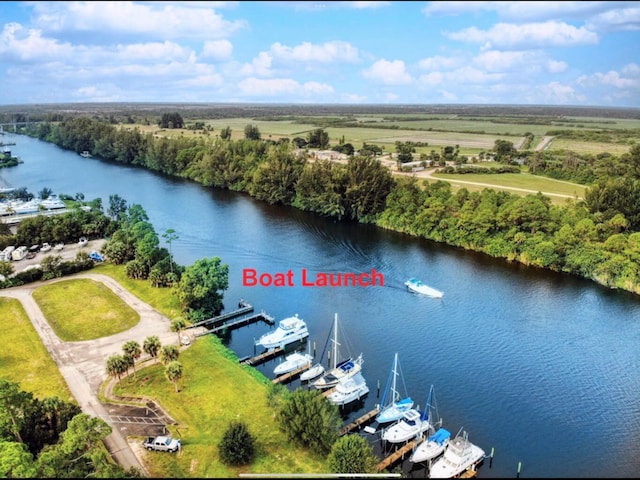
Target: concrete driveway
x=83 y=364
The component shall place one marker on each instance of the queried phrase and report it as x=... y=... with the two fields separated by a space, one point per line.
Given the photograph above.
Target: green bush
x=238 y=445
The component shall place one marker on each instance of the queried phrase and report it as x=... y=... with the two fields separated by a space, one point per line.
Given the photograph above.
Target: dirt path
x=82 y=364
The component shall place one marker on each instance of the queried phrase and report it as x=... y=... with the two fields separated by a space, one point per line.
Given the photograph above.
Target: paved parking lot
x=68 y=252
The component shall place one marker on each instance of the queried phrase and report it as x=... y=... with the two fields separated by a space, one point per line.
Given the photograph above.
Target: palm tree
x=169 y=353
x=178 y=325
x=151 y=346
x=132 y=348
x=173 y=371
x=170 y=235
x=116 y=366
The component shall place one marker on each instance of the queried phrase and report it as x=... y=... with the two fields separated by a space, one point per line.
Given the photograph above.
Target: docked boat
x=293 y=362
x=314 y=372
x=290 y=329
x=413 y=424
x=459 y=456
x=392 y=407
x=433 y=446
x=349 y=389
x=86 y=154
x=340 y=370
x=416 y=286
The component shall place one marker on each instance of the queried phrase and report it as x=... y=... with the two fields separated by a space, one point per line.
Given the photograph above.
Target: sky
x=457 y=52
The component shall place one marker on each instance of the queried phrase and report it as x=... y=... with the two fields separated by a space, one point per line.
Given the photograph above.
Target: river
x=542 y=368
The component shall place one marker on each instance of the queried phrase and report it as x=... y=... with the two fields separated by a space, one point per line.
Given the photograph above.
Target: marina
x=515 y=315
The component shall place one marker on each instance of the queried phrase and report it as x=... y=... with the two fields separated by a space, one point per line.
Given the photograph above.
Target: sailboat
x=345 y=368
x=313 y=371
x=412 y=424
x=393 y=407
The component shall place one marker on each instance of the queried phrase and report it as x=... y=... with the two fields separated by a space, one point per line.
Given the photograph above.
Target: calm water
x=542 y=368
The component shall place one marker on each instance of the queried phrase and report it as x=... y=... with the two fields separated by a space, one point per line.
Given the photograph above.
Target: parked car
x=162 y=444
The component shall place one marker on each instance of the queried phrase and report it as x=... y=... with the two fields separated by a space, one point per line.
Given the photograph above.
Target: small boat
x=86 y=154
x=290 y=329
x=349 y=389
x=416 y=286
x=433 y=446
x=293 y=362
x=340 y=370
x=315 y=371
x=392 y=407
x=45 y=247
x=459 y=456
x=82 y=242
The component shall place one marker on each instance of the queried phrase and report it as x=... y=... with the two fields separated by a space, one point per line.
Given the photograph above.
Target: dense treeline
x=596 y=239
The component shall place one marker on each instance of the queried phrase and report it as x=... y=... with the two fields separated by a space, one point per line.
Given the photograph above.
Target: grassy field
x=83 y=309
x=214 y=390
x=24 y=358
x=587 y=147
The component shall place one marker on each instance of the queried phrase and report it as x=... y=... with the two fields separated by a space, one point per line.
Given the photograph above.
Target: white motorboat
x=314 y=372
x=340 y=370
x=349 y=389
x=290 y=329
x=459 y=456
x=433 y=446
x=293 y=362
x=393 y=407
x=412 y=424
x=416 y=286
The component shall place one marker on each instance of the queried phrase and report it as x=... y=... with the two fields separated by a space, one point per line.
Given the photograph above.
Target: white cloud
x=261 y=65
x=616 y=20
x=260 y=87
x=162 y=19
x=217 y=50
x=28 y=45
x=554 y=66
x=433 y=78
x=388 y=73
x=556 y=93
x=328 y=52
x=440 y=63
x=531 y=35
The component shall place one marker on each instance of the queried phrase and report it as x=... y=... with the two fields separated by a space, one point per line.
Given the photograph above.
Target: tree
x=225 y=133
x=318 y=138
x=151 y=346
x=201 y=287
x=352 y=454
x=173 y=372
x=116 y=366
x=177 y=325
x=169 y=353
x=16 y=461
x=44 y=193
x=170 y=235
x=117 y=207
x=309 y=419
x=251 y=132
x=238 y=445
x=133 y=350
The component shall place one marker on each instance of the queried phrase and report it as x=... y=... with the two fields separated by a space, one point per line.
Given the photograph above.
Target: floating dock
x=397 y=455
x=243 y=308
x=242 y=321
x=358 y=422
x=263 y=357
x=291 y=375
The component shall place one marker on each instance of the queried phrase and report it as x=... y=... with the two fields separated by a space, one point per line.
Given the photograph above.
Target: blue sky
x=537 y=53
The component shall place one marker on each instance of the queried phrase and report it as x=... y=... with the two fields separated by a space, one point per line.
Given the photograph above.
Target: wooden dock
x=243 y=321
x=243 y=308
x=327 y=391
x=397 y=455
x=263 y=357
x=358 y=422
x=291 y=375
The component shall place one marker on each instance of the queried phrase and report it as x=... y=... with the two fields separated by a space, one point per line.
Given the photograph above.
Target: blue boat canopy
x=440 y=436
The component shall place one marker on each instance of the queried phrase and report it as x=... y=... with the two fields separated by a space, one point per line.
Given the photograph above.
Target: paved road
x=82 y=364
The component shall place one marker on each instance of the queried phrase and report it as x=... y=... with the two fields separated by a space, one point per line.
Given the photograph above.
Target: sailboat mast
x=394 y=395
x=335 y=341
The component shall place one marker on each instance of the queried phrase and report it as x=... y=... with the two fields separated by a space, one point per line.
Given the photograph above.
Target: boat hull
x=395 y=411
x=293 y=362
x=459 y=456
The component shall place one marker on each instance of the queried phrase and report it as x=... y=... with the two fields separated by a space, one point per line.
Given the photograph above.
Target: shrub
x=238 y=445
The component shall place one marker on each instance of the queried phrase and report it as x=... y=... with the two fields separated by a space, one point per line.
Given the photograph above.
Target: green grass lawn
x=214 y=390
x=83 y=309
x=24 y=358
